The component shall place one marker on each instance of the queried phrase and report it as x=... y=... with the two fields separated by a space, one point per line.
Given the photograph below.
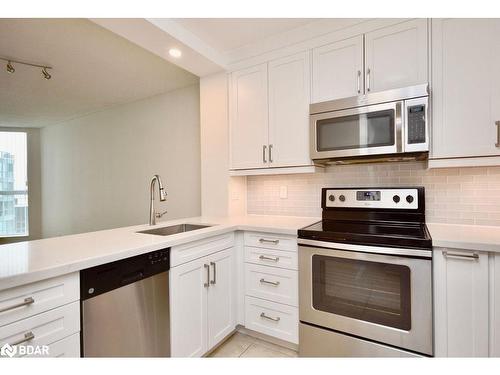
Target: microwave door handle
x=399 y=128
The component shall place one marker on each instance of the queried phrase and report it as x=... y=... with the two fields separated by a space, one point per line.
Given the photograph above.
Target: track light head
x=45 y=73
x=10 y=68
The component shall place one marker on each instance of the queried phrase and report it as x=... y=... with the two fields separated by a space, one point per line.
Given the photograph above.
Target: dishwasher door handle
x=132 y=278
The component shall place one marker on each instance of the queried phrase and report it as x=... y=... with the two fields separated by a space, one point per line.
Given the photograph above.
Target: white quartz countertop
x=30 y=261
x=468 y=237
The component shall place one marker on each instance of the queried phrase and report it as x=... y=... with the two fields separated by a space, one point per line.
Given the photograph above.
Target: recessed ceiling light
x=174 y=52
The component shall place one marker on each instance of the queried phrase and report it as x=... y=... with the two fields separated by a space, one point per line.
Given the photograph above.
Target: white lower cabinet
x=201 y=304
x=461 y=303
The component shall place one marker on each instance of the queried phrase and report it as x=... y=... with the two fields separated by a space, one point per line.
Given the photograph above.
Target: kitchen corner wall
x=453 y=195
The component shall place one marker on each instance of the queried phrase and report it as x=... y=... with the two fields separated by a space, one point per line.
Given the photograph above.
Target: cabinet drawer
x=31 y=299
x=271 y=241
x=45 y=328
x=197 y=249
x=273 y=284
x=273 y=319
x=67 y=347
x=271 y=257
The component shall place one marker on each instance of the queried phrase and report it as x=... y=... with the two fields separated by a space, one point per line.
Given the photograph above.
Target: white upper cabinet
x=396 y=56
x=249 y=118
x=338 y=70
x=465 y=87
x=289 y=89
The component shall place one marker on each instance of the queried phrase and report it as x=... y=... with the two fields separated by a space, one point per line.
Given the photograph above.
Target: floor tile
x=234 y=346
x=260 y=351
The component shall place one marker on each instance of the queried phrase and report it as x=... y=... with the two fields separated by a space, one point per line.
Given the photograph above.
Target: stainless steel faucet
x=153 y=215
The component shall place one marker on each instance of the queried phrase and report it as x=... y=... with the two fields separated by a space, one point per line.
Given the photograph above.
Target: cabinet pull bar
x=264 y=257
x=264 y=148
x=263 y=240
x=473 y=256
x=270 y=153
x=27 y=337
x=263 y=315
x=273 y=283
x=207 y=284
x=214 y=281
x=368 y=74
x=497 y=123
x=359 y=81
x=27 y=301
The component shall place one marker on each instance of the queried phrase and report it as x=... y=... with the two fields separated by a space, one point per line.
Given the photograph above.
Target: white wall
x=96 y=169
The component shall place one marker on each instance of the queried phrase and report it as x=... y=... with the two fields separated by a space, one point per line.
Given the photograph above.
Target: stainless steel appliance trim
x=368 y=249
x=27 y=301
x=270 y=153
x=207 y=284
x=315 y=154
x=497 y=123
x=274 y=259
x=264 y=240
x=370 y=99
x=263 y=315
x=419 y=338
x=399 y=127
x=214 y=280
x=473 y=256
x=264 y=147
x=273 y=283
x=28 y=336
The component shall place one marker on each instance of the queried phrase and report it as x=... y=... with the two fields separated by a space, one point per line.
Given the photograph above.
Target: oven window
x=374 y=129
x=370 y=291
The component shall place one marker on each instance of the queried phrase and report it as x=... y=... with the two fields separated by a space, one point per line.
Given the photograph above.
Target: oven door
x=368 y=130
x=384 y=298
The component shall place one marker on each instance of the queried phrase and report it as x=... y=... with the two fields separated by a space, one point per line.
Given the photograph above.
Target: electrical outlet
x=283 y=192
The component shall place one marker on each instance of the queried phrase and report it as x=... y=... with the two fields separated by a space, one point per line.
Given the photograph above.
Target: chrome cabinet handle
x=207 y=284
x=368 y=74
x=359 y=81
x=270 y=153
x=263 y=315
x=497 y=123
x=27 y=301
x=27 y=337
x=264 y=148
x=273 y=283
x=473 y=256
x=263 y=240
x=274 y=259
x=214 y=281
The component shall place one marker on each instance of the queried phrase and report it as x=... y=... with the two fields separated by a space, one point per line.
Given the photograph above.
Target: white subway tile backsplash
x=453 y=195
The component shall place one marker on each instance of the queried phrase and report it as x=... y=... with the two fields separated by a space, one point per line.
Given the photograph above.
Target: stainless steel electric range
x=365 y=275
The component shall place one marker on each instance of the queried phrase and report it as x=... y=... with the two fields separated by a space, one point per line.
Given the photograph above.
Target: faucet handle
x=160 y=214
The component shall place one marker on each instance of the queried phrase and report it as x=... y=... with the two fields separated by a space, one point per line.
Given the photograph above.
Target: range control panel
x=372 y=198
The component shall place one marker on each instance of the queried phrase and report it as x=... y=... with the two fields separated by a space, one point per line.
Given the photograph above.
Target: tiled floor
x=240 y=345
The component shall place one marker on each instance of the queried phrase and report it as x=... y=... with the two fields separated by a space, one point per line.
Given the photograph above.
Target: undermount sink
x=174 y=229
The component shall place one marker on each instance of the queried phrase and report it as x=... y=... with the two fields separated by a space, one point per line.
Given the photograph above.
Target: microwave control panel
x=416 y=123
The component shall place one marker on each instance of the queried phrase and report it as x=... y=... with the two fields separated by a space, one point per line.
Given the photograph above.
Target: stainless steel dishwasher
x=125 y=308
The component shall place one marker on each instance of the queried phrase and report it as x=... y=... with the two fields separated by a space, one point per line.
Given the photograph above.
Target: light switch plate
x=283 y=192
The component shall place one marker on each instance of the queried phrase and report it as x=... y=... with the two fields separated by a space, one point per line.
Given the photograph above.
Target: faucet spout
x=163 y=196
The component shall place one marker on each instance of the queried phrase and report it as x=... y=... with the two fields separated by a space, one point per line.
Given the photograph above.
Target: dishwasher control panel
x=106 y=277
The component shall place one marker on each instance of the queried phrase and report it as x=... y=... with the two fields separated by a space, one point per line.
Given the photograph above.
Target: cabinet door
x=495 y=305
x=221 y=302
x=396 y=56
x=461 y=303
x=465 y=87
x=338 y=70
x=188 y=309
x=289 y=88
x=249 y=118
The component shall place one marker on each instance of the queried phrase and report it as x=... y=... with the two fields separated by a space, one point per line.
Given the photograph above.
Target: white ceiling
x=226 y=34
x=93 y=69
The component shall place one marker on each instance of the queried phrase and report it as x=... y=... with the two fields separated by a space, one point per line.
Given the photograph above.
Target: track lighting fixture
x=10 y=68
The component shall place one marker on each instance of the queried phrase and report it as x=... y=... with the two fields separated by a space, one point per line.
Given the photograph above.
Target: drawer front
x=273 y=319
x=271 y=257
x=31 y=299
x=273 y=284
x=197 y=249
x=271 y=241
x=68 y=347
x=44 y=329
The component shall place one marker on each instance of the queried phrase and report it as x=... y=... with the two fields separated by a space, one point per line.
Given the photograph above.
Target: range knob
x=331 y=197
x=342 y=198
x=409 y=198
x=396 y=198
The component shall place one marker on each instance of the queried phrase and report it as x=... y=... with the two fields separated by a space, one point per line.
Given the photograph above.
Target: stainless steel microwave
x=390 y=124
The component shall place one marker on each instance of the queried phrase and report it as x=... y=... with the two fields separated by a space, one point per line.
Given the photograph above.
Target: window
x=13 y=184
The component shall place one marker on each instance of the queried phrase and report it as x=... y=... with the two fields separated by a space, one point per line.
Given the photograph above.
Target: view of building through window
x=13 y=184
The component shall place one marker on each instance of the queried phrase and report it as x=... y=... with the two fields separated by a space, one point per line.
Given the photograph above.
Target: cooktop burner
x=389 y=217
